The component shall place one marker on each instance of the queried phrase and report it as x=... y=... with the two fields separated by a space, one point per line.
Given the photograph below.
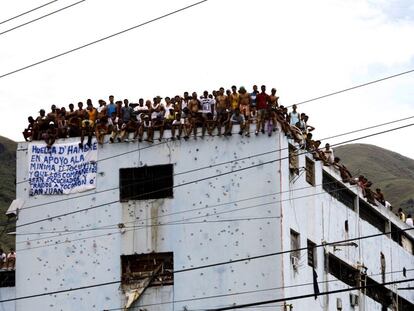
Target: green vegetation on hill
x=389 y=171
x=7 y=189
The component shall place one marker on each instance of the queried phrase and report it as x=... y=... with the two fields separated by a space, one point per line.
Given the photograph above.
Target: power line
x=227 y=162
x=174 y=222
x=102 y=39
x=258 y=303
x=246 y=292
x=355 y=87
x=217 y=264
x=209 y=177
x=41 y=17
x=31 y=10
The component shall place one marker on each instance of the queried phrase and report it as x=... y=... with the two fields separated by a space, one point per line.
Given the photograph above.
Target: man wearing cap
x=50 y=135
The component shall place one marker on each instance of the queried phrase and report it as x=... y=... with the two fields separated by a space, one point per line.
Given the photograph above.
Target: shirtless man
x=52 y=116
x=193 y=106
x=221 y=107
x=29 y=132
x=102 y=109
x=234 y=98
x=41 y=124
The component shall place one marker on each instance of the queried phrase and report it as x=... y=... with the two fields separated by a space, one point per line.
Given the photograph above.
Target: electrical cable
x=29 y=11
x=355 y=87
x=240 y=159
x=41 y=17
x=258 y=303
x=210 y=177
x=102 y=39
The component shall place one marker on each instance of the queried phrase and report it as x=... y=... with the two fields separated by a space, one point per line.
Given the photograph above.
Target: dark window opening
x=310 y=171
x=157 y=268
x=294 y=245
x=8 y=278
x=346 y=226
x=367 y=213
x=293 y=160
x=402 y=239
x=147 y=182
x=352 y=277
x=312 y=254
x=338 y=190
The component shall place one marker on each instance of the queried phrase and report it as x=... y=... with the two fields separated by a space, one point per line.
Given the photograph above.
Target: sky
x=303 y=48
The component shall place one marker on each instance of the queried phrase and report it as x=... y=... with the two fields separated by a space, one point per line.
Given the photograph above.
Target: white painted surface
x=58 y=261
x=7 y=293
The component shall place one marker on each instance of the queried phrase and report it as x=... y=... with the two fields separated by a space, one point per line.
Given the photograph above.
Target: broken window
x=293 y=160
x=311 y=254
x=147 y=182
x=338 y=190
x=145 y=270
x=159 y=266
x=310 y=171
x=294 y=246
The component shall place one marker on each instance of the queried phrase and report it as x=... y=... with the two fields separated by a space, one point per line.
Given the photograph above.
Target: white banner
x=62 y=169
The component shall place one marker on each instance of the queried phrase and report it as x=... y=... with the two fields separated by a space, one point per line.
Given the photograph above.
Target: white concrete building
x=232 y=198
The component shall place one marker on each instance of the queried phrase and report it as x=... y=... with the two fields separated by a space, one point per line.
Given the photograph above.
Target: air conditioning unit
x=295 y=262
x=353 y=299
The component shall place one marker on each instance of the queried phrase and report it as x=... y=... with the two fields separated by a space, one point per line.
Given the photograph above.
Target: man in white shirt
x=409 y=220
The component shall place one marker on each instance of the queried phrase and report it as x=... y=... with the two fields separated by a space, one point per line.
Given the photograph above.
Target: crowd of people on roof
x=7 y=261
x=328 y=158
x=214 y=113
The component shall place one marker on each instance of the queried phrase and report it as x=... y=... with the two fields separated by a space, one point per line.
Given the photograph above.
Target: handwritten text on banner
x=62 y=169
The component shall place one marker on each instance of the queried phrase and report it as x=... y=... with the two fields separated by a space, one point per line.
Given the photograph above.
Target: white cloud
x=303 y=48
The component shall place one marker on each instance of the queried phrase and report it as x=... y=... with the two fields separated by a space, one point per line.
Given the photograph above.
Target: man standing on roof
x=111 y=106
x=262 y=103
x=253 y=96
x=294 y=116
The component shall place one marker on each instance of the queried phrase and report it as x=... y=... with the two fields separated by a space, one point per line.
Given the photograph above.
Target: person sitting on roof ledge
x=11 y=260
x=3 y=259
x=379 y=196
x=343 y=171
x=50 y=135
x=329 y=155
x=237 y=118
x=29 y=131
x=401 y=215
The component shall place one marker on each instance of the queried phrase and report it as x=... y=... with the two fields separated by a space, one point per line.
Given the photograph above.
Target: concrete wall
x=319 y=217
x=7 y=293
x=61 y=259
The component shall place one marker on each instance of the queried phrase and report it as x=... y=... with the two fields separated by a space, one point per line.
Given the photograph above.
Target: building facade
x=208 y=224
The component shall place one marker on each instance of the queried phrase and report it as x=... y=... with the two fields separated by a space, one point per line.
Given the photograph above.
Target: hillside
x=7 y=188
x=388 y=170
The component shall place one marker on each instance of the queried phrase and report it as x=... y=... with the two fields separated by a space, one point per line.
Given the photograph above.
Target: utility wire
x=24 y=13
x=355 y=87
x=174 y=222
x=246 y=292
x=258 y=303
x=209 y=177
x=117 y=282
x=235 y=160
x=102 y=39
x=41 y=17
